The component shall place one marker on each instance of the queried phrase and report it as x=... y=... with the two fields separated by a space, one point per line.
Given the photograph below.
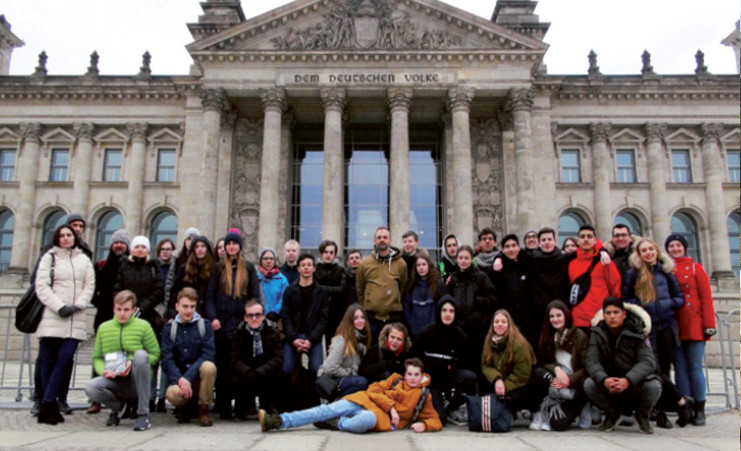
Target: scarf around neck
x=256 y=339
x=268 y=274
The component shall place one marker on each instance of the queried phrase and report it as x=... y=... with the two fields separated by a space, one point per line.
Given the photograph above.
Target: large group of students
x=576 y=336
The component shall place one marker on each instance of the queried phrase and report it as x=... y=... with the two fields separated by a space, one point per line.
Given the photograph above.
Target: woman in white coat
x=65 y=283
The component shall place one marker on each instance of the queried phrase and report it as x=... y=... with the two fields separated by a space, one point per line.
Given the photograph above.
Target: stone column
x=520 y=102
x=460 y=100
x=135 y=176
x=601 y=167
x=28 y=165
x=212 y=102
x=656 y=175
x=446 y=122
x=274 y=103
x=399 y=100
x=333 y=100
x=83 y=163
x=713 y=167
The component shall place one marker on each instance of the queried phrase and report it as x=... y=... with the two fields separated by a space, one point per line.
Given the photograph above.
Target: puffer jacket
x=380 y=282
x=337 y=364
x=632 y=359
x=698 y=312
x=669 y=296
x=131 y=336
x=142 y=276
x=74 y=284
x=271 y=291
x=379 y=362
x=514 y=373
x=184 y=356
x=226 y=307
x=382 y=396
x=605 y=282
x=476 y=296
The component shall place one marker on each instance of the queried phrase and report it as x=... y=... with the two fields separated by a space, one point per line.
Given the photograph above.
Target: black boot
x=46 y=413
x=699 y=419
x=685 y=412
x=662 y=421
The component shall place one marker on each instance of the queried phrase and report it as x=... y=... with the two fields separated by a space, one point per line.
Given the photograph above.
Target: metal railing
x=728 y=361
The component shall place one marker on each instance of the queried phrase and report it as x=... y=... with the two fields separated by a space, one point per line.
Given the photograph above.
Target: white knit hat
x=140 y=241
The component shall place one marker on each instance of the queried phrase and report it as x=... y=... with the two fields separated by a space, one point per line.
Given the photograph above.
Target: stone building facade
x=326 y=118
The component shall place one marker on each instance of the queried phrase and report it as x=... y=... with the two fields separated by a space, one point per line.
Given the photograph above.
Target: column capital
x=83 y=130
x=506 y=120
x=213 y=99
x=655 y=131
x=600 y=131
x=31 y=131
x=710 y=132
x=460 y=98
x=137 y=130
x=399 y=98
x=229 y=118
x=520 y=99
x=273 y=99
x=333 y=98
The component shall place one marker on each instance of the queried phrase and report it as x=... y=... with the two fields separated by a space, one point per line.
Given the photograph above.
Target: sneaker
x=113 y=419
x=459 y=416
x=537 y=422
x=329 y=424
x=142 y=423
x=64 y=407
x=585 y=418
x=268 y=422
x=607 y=425
x=644 y=425
x=596 y=414
x=35 y=408
x=626 y=420
x=546 y=426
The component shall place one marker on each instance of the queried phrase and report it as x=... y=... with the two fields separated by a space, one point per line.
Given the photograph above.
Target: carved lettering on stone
x=245 y=206
x=487 y=174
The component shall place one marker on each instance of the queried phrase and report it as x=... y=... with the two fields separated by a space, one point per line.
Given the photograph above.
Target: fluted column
x=657 y=189
x=212 y=102
x=28 y=165
x=460 y=100
x=333 y=100
x=399 y=100
x=135 y=176
x=712 y=164
x=601 y=167
x=520 y=102
x=274 y=104
x=83 y=163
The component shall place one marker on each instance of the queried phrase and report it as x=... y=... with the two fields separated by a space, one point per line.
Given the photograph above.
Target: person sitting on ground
x=386 y=357
x=393 y=404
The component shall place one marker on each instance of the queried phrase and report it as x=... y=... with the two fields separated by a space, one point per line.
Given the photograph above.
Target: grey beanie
x=121 y=236
x=191 y=232
x=72 y=217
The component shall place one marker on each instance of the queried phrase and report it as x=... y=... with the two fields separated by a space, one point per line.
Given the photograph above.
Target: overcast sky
x=618 y=30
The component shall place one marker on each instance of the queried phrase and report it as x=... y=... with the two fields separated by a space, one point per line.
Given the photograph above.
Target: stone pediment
x=366 y=25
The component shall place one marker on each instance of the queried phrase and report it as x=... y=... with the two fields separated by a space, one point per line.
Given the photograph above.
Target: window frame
x=4 y=169
x=563 y=168
x=675 y=168
x=54 y=167
x=5 y=216
x=106 y=152
x=172 y=169
x=734 y=172
x=626 y=169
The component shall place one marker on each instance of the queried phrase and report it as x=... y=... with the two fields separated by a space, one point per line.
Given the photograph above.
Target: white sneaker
x=585 y=417
x=537 y=423
x=546 y=426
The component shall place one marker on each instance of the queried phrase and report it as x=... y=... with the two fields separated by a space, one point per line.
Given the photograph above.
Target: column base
x=15 y=277
x=725 y=280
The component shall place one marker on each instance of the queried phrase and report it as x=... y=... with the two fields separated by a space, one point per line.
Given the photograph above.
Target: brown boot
x=203 y=418
x=94 y=407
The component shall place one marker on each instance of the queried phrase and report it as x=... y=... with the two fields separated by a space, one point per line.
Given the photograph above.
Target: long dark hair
x=196 y=268
x=546 y=349
x=433 y=277
x=58 y=232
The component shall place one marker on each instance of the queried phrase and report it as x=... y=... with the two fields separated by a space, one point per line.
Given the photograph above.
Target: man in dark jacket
x=188 y=359
x=330 y=274
x=290 y=253
x=256 y=360
x=621 y=246
x=621 y=365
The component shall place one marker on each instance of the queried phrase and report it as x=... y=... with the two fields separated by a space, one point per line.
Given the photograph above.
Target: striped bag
x=488 y=414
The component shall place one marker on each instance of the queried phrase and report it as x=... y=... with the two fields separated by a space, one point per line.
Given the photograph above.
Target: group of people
x=559 y=335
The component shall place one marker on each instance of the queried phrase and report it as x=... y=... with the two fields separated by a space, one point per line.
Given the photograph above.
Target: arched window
x=7 y=224
x=568 y=225
x=164 y=225
x=51 y=223
x=684 y=225
x=108 y=223
x=631 y=221
x=734 y=238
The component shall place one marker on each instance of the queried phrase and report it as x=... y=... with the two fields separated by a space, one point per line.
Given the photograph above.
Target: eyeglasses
x=253 y=315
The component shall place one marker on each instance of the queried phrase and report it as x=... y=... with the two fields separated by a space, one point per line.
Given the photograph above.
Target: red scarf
x=401 y=349
x=268 y=274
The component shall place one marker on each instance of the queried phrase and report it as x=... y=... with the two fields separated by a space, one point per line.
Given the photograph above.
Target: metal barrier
x=728 y=362
x=732 y=343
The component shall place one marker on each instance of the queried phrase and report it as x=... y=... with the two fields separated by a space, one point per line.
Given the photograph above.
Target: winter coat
x=267 y=364
x=337 y=364
x=379 y=362
x=106 y=273
x=513 y=293
x=669 y=296
x=331 y=276
x=698 y=312
x=179 y=282
x=548 y=276
x=131 y=336
x=380 y=283
x=576 y=343
x=476 y=296
x=382 y=396
x=620 y=256
x=419 y=305
x=184 y=356
x=74 y=284
x=142 y=276
x=447 y=264
x=351 y=292
x=605 y=282
x=632 y=359
x=291 y=272
x=271 y=291
x=514 y=373
x=225 y=307
x=316 y=316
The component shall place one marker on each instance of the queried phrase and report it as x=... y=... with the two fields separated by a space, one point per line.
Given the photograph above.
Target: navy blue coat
x=184 y=356
x=669 y=296
x=225 y=307
x=420 y=306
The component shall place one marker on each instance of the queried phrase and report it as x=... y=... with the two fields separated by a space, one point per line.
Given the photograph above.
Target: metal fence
x=729 y=359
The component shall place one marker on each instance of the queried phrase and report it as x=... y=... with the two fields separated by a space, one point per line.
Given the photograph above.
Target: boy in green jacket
x=125 y=351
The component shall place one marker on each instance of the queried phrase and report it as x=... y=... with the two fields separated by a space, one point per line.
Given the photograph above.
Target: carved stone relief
x=488 y=210
x=245 y=207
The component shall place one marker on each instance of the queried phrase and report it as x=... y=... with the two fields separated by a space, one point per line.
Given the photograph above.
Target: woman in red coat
x=696 y=324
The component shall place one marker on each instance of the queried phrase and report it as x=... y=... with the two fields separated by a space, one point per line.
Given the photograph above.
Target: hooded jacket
x=381 y=282
x=271 y=291
x=448 y=265
x=419 y=305
x=514 y=373
x=476 y=296
x=184 y=356
x=605 y=282
x=669 y=297
x=382 y=396
x=267 y=364
x=142 y=276
x=698 y=312
x=379 y=362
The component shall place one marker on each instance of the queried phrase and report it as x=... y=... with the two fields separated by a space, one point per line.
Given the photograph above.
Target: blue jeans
x=688 y=374
x=290 y=355
x=351 y=384
x=353 y=418
x=55 y=360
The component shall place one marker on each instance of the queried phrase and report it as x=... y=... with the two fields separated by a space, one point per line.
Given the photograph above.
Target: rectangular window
x=681 y=166
x=570 y=172
x=626 y=166
x=112 y=165
x=7 y=164
x=734 y=165
x=59 y=164
x=166 y=165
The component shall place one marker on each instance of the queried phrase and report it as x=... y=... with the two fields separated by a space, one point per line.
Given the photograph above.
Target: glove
x=709 y=332
x=66 y=311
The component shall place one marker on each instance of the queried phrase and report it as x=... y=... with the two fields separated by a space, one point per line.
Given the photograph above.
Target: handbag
x=488 y=414
x=327 y=387
x=30 y=309
x=581 y=285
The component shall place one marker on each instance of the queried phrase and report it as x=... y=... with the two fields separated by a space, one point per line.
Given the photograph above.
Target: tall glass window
x=7 y=164
x=112 y=165
x=631 y=221
x=570 y=170
x=568 y=225
x=681 y=166
x=626 y=166
x=734 y=239
x=164 y=225
x=367 y=196
x=7 y=224
x=734 y=165
x=59 y=164
x=166 y=165
x=684 y=225
x=108 y=223
x=306 y=204
x=424 y=195
x=51 y=223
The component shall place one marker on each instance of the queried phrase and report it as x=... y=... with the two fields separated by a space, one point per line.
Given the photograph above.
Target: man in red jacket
x=605 y=279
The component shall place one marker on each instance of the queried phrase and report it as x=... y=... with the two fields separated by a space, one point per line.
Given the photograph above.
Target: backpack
x=581 y=285
x=174 y=329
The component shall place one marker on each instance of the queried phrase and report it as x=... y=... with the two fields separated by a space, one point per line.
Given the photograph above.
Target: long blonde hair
x=511 y=336
x=239 y=285
x=347 y=330
x=645 y=286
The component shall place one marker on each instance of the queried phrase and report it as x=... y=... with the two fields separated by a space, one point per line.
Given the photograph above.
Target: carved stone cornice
x=84 y=131
x=213 y=99
x=137 y=130
x=460 y=98
x=244 y=56
x=31 y=132
x=520 y=99
x=399 y=98
x=655 y=131
x=710 y=132
x=333 y=98
x=600 y=131
x=273 y=98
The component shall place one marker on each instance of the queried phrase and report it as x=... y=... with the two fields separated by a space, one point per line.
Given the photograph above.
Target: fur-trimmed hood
x=638 y=314
x=667 y=264
x=384 y=335
x=611 y=248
